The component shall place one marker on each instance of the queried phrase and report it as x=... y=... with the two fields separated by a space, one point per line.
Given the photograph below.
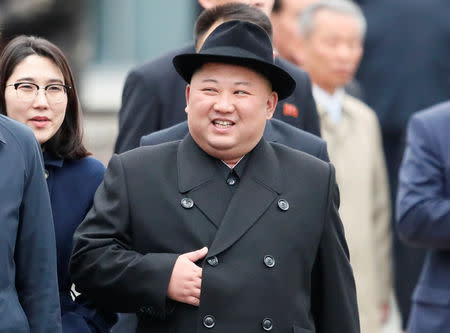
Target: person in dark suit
x=388 y=75
x=28 y=65
x=28 y=283
x=275 y=131
x=153 y=96
x=423 y=214
x=221 y=230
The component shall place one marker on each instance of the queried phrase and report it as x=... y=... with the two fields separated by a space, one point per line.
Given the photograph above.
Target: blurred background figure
x=423 y=214
x=285 y=20
x=405 y=68
x=332 y=34
x=37 y=88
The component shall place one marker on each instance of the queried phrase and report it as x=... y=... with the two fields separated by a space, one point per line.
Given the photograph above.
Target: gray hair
x=337 y=6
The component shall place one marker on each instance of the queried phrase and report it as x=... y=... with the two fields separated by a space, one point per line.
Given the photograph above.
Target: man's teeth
x=222 y=123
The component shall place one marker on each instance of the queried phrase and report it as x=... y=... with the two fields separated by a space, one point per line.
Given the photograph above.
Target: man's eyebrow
x=243 y=83
x=209 y=80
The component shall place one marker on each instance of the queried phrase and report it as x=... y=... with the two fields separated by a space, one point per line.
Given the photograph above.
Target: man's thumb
x=197 y=255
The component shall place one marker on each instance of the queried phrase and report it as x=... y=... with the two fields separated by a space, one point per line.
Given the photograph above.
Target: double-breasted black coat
x=277 y=260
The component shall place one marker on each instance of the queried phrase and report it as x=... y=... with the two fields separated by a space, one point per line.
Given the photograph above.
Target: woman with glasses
x=37 y=88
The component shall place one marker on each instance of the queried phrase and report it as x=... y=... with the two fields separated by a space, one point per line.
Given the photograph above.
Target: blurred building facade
x=119 y=36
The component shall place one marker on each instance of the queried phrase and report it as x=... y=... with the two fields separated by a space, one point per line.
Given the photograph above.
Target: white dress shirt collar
x=331 y=103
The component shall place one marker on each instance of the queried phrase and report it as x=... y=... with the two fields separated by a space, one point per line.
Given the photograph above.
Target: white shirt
x=332 y=104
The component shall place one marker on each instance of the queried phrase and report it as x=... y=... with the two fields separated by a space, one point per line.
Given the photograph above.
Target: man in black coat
x=153 y=96
x=221 y=230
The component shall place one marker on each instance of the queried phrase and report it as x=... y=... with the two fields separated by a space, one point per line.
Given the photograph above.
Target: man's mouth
x=223 y=123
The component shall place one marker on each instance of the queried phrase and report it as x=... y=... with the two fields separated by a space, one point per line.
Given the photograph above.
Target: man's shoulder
x=432 y=125
x=20 y=144
x=298 y=139
x=299 y=160
x=289 y=130
x=434 y=114
x=173 y=133
x=155 y=152
x=14 y=132
x=161 y=65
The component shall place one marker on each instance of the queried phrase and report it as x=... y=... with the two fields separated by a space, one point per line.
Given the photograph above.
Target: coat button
x=231 y=181
x=209 y=321
x=145 y=310
x=267 y=324
x=187 y=203
x=269 y=261
x=283 y=204
x=213 y=261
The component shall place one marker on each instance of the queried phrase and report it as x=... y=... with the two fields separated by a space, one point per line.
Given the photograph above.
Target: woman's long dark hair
x=67 y=141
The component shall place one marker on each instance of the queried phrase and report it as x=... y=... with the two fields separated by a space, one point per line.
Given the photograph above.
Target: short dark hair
x=276 y=6
x=67 y=141
x=228 y=12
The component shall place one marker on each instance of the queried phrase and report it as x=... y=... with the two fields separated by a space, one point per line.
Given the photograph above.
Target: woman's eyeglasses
x=27 y=91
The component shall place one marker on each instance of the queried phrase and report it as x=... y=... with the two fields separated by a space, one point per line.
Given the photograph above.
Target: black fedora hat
x=239 y=43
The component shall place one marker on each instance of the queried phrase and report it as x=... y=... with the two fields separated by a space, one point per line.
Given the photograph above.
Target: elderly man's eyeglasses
x=27 y=91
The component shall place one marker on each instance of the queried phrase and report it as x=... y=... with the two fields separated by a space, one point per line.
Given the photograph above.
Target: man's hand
x=186 y=280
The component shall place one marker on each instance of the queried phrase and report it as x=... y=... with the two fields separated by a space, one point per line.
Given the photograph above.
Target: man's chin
x=221 y=150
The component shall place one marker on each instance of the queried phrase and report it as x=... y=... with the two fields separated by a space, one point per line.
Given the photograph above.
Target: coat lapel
x=196 y=173
x=259 y=187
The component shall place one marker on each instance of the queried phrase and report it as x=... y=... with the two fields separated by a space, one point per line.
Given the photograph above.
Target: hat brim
x=282 y=82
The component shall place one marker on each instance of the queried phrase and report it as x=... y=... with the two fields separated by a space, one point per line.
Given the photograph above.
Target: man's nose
x=345 y=51
x=224 y=103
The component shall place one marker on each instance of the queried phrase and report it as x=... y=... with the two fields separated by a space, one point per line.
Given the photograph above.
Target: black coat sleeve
x=104 y=265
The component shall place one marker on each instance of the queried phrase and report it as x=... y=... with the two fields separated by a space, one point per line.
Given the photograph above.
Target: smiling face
x=227 y=109
x=44 y=118
x=333 y=50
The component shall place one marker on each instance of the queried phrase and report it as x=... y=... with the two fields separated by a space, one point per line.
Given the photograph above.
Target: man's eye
x=241 y=92
x=208 y=90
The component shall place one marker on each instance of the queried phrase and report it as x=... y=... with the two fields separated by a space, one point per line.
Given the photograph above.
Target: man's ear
x=188 y=90
x=271 y=104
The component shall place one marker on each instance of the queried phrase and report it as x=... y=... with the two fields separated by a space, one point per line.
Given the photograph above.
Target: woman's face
x=43 y=112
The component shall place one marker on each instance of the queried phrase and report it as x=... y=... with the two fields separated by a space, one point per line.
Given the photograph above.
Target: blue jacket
x=28 y=282
x=72 y=185
x=423 y=214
